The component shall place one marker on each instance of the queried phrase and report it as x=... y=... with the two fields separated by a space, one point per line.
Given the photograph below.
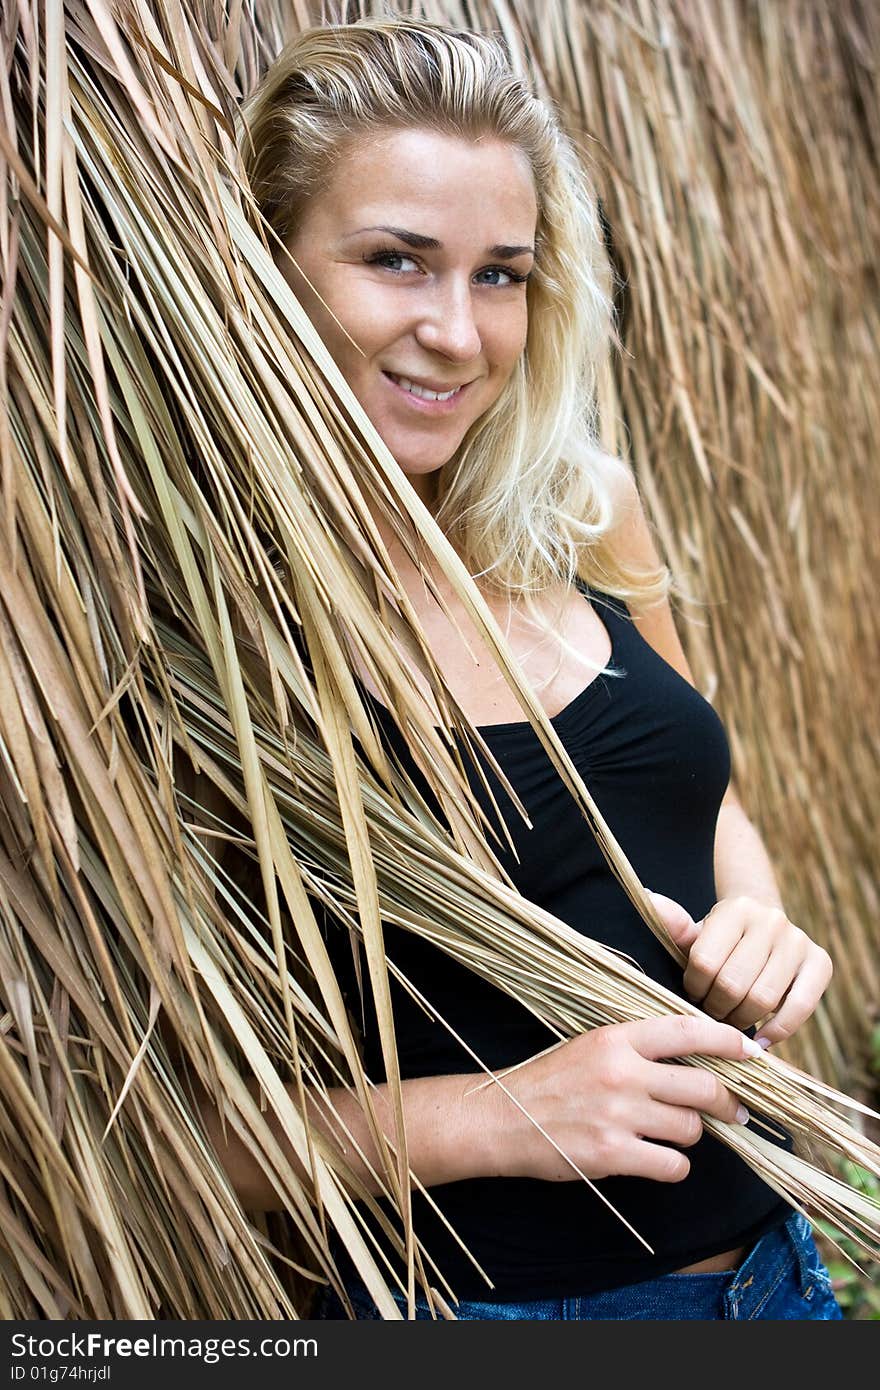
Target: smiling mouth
x=424 y=393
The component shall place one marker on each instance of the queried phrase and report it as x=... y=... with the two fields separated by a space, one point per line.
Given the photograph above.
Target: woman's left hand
x=746 y=961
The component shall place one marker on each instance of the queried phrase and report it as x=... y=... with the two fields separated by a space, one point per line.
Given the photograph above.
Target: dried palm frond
x=188 y=562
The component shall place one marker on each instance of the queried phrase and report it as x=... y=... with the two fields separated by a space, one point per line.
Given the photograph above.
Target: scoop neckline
x=514 y=725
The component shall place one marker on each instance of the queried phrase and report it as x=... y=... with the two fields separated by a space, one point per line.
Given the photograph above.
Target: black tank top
x=655 y=757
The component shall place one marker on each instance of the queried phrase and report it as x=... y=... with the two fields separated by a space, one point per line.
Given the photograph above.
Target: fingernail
x=763 y=1043
x=751 y=1048
x=742 y=1115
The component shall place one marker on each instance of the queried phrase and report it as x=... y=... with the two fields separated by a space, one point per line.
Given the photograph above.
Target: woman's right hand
x=606 y=1096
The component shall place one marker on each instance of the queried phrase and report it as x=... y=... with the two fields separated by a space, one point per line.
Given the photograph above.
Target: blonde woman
x=446 y=243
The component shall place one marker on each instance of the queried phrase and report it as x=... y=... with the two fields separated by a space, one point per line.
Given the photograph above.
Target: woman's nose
x=448 y=325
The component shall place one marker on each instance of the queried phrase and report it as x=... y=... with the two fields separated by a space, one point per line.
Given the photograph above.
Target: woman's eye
x=391 y=261
x=510 y=277
x=400 y=264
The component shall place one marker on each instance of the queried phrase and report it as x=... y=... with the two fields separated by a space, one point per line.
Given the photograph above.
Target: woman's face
x=420 y=244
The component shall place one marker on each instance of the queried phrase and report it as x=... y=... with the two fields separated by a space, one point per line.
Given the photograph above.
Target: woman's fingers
x=674 y=1124
x=806 y=990
x=684 y=1035
x=677 y=920
x=746 y=961
x=639 y=1159
x=737 y=977
x=773 y=982
x=719 y=935
x=671 y=1123
x=691 y=1087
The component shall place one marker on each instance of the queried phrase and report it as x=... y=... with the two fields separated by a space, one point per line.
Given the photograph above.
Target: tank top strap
x=606 y=602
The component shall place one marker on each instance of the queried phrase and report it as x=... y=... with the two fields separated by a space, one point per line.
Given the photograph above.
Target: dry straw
x=188 y=559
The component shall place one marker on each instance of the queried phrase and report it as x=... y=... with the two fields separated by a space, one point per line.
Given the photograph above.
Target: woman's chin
x=419 y=464
x=419 y=457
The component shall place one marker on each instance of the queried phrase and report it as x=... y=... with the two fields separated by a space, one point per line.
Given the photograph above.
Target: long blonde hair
x=530 y=498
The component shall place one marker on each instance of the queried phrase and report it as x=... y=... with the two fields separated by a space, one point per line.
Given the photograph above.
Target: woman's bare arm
x=602 y=1096
x=447 y=1133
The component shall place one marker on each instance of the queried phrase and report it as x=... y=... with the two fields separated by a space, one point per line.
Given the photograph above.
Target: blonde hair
x=530 y=498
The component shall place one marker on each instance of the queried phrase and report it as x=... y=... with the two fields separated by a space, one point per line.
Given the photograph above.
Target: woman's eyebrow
x=429 y=243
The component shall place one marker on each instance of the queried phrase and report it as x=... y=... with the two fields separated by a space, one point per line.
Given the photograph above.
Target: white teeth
x=423 y=390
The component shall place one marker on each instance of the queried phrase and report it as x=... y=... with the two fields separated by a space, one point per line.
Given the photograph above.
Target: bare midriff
x=729 y=1259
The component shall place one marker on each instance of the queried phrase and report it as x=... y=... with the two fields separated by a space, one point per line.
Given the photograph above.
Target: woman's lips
x=425 y=406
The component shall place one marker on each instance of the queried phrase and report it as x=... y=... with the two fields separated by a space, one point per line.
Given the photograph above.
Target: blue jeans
x=781 y=1278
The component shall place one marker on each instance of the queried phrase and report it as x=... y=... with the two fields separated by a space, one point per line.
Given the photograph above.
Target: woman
x=446 y=244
